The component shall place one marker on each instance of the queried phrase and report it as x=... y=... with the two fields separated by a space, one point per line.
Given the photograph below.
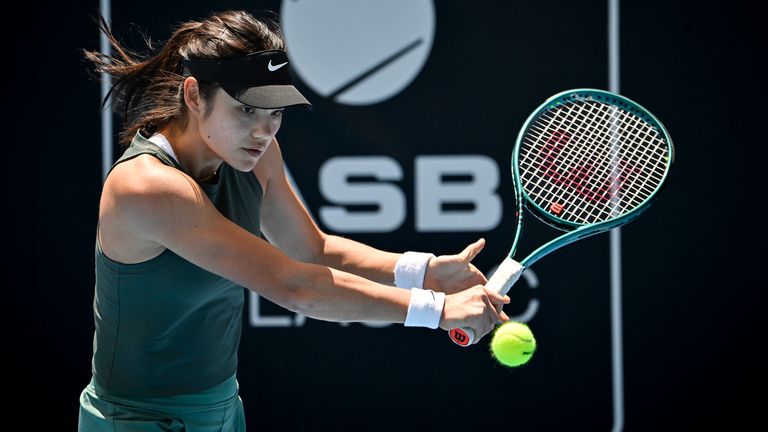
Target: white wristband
x=425 y=308
x=411 y=268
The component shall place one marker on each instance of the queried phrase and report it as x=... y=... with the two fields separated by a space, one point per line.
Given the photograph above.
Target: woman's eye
x=277 y=113
x=247 y=109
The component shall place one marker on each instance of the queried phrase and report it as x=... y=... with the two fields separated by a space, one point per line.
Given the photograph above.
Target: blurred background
x=415 y=156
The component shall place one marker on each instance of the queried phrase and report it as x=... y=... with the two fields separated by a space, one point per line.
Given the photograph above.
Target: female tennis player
x=198 y=207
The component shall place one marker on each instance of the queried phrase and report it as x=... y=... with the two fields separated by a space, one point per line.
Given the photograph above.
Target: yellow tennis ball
x=513 y=344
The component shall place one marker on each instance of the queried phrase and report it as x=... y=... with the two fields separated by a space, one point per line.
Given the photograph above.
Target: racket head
x=590 y=160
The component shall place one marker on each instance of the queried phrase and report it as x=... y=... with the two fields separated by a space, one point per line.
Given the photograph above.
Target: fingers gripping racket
x=585 y=161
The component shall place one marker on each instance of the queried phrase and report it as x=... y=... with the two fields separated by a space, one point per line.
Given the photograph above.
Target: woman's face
x=239 y=134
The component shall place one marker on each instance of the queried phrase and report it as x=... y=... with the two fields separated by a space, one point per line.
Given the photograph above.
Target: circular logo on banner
x=358 y=52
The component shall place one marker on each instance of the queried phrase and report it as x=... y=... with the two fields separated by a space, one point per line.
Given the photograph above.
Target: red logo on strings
x=578 y=177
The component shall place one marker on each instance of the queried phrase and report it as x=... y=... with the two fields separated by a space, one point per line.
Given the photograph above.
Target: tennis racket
x=585 y=161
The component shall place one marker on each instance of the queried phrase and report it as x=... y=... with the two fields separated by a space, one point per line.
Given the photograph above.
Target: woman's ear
x=192 y=98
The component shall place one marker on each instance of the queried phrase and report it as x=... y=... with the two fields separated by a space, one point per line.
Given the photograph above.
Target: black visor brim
x=261 y=79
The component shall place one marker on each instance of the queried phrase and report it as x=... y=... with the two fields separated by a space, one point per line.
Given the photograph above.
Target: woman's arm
x=288 y=225
x=160 y=205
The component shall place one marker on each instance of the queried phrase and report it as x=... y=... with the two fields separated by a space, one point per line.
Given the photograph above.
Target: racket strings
x=567 y=172
x=611 y=172
x=587 y=161
x=590 y=196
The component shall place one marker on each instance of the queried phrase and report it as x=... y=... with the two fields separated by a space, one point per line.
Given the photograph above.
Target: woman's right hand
x=477 y=307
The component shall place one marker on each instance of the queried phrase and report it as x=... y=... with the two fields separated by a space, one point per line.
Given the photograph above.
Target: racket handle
x=503 y=278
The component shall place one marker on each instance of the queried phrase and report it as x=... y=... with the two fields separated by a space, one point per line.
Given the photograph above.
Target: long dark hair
x=147 y=89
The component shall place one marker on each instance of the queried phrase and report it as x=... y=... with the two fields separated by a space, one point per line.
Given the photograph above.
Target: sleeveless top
x=166 y=326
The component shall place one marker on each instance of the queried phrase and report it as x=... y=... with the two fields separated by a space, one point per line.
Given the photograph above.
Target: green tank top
x=166 y=326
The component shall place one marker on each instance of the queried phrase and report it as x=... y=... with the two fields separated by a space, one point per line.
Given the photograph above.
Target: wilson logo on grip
x=460 y=337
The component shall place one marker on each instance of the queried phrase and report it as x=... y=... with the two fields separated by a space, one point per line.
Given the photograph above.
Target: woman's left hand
x=453 y=273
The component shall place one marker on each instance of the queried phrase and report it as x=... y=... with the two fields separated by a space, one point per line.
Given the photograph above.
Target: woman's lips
x=254 y=151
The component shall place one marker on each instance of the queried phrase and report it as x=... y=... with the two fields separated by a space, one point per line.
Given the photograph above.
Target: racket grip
x=503 y=278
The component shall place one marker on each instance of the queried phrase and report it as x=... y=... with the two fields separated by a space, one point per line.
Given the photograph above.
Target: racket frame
x=578 y=231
